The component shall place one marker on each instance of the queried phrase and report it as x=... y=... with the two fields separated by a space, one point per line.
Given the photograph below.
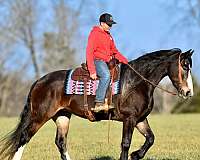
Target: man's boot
x=99 y=106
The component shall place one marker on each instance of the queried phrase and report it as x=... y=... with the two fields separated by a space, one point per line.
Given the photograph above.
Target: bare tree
x=17 y=30
x=20 y=26
x=62 y=46
x=58 y=44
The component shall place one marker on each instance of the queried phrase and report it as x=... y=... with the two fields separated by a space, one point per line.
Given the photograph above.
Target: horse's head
x=179 y=72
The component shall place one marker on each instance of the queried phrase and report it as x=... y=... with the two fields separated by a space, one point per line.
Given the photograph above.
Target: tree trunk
x=30 y=45
x=34 y=61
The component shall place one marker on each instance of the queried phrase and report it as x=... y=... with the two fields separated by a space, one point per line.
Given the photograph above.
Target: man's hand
x=93 y=76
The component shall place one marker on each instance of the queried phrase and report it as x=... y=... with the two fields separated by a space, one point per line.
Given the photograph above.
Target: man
x=100 y=49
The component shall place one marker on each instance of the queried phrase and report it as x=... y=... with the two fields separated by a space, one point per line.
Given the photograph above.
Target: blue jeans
x=104 y=74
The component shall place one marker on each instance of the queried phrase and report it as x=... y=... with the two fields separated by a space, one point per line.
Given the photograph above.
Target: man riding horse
x=101 y=49
x=139 y=78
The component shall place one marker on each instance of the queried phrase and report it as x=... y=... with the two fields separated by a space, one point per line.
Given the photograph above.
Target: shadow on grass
x=162 y=159
x=111 y=158
x=103 y=158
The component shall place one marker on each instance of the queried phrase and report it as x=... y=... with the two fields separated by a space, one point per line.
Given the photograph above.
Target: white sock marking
x=67 y=156
x=64 y=121
x=19 y=153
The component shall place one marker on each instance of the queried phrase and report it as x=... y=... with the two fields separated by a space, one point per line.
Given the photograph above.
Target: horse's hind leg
x=25 y=136
x=145 y=130
x=29 y=130
x=62 y=119
x=12 y=145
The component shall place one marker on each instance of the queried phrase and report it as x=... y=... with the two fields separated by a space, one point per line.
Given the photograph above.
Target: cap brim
x=111 y=22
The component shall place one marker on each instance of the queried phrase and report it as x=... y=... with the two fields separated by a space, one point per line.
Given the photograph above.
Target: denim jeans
x=104 y=74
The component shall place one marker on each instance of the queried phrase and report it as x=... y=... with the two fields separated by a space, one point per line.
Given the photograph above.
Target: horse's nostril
x=188 y=93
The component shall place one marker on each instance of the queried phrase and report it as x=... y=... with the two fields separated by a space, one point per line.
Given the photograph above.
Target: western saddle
x=82 y=74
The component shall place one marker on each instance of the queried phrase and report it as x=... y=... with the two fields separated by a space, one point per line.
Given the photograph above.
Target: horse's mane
x=161 y=54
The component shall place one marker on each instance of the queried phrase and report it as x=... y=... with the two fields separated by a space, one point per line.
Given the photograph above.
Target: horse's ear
x=189 y=53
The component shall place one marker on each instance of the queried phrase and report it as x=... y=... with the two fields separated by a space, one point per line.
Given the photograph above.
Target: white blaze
x=19 y=153
x=189 y=83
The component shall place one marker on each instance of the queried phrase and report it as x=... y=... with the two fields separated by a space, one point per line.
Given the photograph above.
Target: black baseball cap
x=107 y=18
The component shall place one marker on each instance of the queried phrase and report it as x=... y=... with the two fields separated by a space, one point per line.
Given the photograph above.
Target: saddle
x=82 y=74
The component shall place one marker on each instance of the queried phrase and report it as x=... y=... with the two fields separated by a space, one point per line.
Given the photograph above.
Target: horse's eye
x=185 y=67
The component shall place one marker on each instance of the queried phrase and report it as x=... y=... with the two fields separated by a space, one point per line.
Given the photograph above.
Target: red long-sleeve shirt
x=101 y=46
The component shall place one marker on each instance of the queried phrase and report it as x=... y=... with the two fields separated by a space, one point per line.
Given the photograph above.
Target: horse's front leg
x=145 y=130
x=62 y=120
x=128 y=127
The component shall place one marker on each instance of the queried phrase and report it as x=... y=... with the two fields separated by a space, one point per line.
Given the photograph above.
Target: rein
x=146 y=80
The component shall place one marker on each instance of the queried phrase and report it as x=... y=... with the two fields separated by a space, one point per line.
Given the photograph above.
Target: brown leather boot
x=99 y=106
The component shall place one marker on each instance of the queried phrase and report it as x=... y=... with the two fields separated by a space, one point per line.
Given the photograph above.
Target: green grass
x=177 y=137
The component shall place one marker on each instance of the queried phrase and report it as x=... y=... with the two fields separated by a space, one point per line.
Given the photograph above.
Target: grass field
x=177 y=137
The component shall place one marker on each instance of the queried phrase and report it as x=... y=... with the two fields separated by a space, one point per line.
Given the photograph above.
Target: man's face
x=105 y=26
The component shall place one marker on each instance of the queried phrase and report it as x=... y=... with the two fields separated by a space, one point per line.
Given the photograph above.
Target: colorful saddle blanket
x=77 y=87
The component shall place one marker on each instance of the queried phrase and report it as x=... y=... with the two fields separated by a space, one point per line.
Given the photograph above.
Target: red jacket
x=101 y=46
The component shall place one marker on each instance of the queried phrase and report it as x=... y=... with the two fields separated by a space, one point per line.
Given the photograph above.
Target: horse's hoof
x=134 y=156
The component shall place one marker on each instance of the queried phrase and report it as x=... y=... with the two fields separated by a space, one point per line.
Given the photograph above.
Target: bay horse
x=47 y=100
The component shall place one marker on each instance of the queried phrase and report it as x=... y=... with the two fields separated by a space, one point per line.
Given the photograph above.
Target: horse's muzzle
x=185 y=93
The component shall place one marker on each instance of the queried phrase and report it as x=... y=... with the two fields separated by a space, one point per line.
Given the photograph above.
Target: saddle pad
x=77 y=87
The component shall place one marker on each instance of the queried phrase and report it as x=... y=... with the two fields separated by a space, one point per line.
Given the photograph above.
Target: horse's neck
x=157 y=74
x=154 y=74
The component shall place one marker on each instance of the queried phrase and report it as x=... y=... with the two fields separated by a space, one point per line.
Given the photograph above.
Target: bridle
x=179 y=70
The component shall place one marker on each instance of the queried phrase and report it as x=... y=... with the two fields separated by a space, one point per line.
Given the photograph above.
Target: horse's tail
x=19 y=136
